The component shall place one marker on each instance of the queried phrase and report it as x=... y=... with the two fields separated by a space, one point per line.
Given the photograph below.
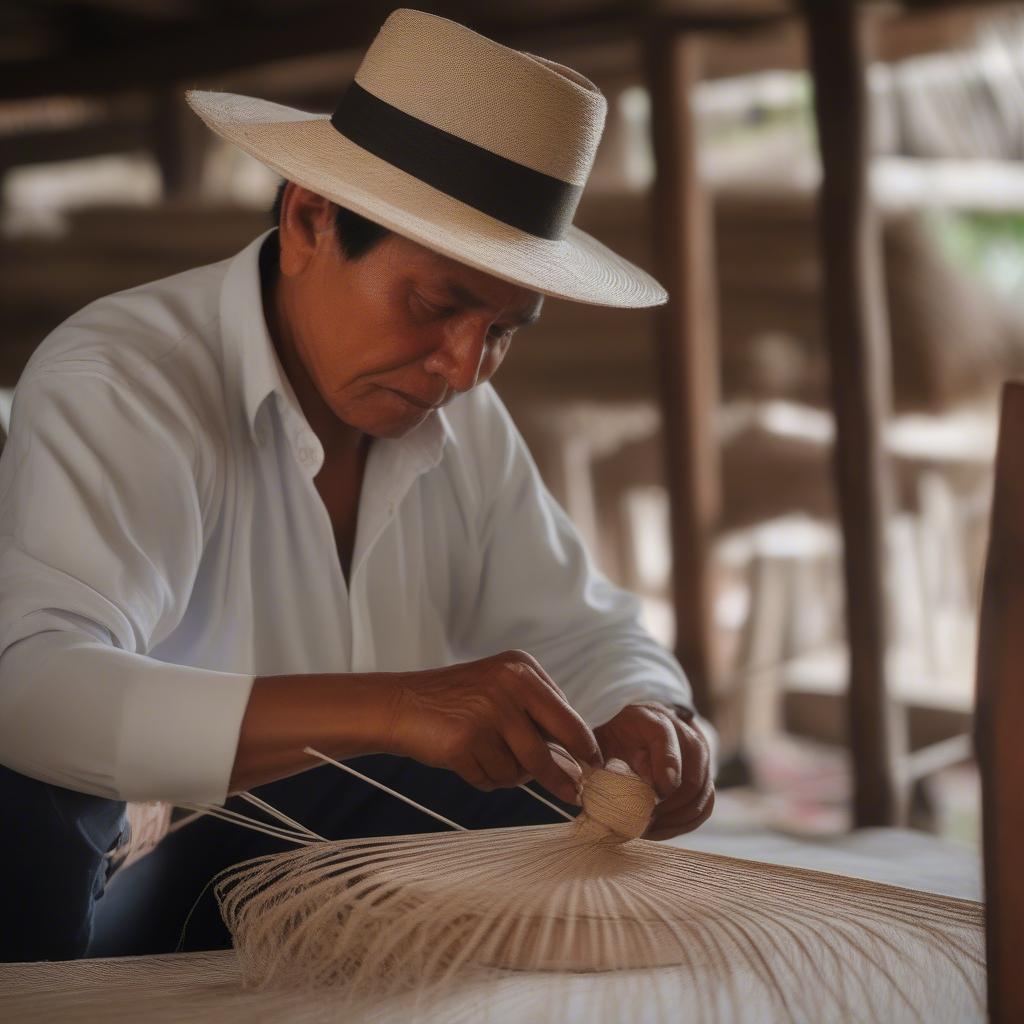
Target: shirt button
x=309 y=447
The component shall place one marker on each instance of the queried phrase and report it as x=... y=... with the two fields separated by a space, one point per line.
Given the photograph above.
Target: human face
x=397 y=333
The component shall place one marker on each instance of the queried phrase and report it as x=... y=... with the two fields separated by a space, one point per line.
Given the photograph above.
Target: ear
x=307 y=219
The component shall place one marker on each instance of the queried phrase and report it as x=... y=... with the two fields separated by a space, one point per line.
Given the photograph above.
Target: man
x=274 y=503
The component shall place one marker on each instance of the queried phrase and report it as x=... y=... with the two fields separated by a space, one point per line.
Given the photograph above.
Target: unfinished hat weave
x=475 y=150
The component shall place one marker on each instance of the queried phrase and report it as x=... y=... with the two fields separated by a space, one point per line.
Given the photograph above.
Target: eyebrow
x=473 y=301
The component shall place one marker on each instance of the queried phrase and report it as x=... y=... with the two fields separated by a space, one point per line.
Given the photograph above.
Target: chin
x=392 y=429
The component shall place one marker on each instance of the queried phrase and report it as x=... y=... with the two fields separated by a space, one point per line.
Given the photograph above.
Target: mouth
x=420 y=403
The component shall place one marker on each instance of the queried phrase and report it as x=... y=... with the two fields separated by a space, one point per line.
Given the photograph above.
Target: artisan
x=275 y=502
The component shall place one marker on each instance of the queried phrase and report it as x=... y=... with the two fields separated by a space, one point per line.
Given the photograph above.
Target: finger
x=690 y=818
x=560 y=722
x=567 y=763
x=533 y=753
x=665 y=754
x=693 y=791
x=538 y=670
x=468 y=768
x=499 y=764
x=696 y=755
x=660 y=832
x=679 y=808
x=640 y=761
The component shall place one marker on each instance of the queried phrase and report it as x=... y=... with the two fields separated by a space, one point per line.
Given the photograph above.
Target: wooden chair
x=999 y=721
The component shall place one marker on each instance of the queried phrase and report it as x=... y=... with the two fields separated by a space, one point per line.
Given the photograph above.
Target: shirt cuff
x=179 y=734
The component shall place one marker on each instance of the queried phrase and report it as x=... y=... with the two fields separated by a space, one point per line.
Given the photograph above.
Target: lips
x=420 y=403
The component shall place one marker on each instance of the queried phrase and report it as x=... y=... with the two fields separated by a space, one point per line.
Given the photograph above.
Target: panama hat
x=475 y=150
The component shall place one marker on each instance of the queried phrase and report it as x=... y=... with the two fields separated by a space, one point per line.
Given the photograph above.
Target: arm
x=101 y=532
x=486 y=720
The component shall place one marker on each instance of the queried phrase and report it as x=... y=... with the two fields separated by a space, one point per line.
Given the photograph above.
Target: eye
x=431 y=308
x=500 y=333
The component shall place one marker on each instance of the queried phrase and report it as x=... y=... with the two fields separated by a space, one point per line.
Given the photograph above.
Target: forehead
x=461 y=280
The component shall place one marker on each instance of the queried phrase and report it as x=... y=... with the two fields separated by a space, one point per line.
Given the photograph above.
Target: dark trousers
x=61 y=900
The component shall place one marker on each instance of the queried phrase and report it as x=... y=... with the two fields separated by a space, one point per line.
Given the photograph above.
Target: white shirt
x=162 y=543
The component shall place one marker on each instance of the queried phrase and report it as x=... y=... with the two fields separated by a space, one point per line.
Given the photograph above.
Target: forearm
x=489 y=721
x=82 y=714
x=343 y=715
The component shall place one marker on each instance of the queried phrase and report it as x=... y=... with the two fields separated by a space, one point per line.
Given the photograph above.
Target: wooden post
x=999 y=721
x=180 y=142
x=857 y=333
x=688 y=352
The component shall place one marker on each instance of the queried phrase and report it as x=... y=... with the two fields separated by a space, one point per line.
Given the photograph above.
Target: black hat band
x=519 y=196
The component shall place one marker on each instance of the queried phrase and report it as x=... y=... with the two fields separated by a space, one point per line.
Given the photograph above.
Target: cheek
x=345 y=356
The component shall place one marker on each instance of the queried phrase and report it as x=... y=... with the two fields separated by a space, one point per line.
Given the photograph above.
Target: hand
x=664 y=749
x=489 y=721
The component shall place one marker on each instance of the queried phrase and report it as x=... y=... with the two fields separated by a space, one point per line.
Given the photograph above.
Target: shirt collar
x=248 y=348
x=250 y=351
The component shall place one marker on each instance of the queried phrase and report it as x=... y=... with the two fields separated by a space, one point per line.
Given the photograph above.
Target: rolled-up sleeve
x=101 y=534
x=540 y=591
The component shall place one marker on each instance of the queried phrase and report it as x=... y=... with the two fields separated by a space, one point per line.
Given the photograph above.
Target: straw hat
x=475 y=150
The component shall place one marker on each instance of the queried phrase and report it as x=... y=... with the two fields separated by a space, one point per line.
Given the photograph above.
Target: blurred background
x=706 y=429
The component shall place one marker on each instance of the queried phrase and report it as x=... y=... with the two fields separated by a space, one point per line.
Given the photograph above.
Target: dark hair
x=356 y=235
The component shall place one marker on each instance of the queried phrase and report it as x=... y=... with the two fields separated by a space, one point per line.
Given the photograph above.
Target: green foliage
x=988 y=245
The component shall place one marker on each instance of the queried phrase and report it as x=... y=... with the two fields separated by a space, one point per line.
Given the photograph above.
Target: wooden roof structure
x=106 y=47
x=112 y=49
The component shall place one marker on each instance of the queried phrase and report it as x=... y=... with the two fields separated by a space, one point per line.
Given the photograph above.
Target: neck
x=337 y=437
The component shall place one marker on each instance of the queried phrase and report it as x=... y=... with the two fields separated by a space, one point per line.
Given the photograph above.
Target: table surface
x=205 y=987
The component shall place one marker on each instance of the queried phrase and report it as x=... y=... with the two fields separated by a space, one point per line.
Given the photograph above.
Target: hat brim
x=307 y=149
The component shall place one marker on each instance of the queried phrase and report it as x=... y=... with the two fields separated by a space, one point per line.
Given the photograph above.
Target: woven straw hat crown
x=469 y=147
x=527 y=109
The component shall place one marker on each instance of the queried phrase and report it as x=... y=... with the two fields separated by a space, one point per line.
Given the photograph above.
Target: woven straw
x=518 y=106
x=425 y=915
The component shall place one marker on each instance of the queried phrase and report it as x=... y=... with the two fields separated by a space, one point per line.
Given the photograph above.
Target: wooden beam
x=857 y=337
x=118 y=134
x=999 y=721
x=687 y=352
x=150 y=58
x=913 y=33
x=899 y=35
x=135 y=9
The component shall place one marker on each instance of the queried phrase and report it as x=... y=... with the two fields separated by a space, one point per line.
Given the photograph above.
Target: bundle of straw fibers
x=423 y=914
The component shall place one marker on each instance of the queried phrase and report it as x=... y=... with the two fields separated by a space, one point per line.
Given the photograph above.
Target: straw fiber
x=420 y=917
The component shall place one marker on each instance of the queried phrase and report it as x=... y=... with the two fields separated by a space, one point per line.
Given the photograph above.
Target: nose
x=458 y=358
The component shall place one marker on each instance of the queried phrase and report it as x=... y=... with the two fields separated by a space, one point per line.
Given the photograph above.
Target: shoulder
x=166 y=330
x=158 y=344
x=138 y=372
